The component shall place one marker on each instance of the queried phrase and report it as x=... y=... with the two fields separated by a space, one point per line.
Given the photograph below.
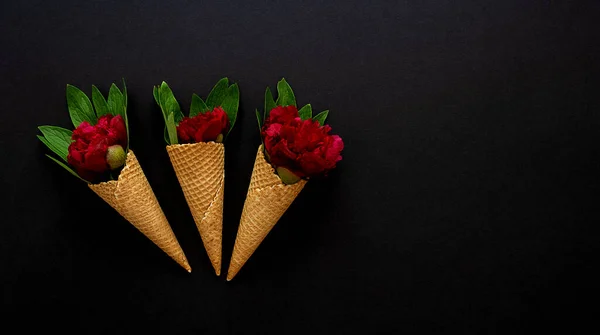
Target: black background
x=465 y=201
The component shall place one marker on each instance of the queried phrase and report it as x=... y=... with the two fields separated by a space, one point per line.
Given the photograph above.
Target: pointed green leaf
x=80 y=107
x=287 y=176
x=124 y=93
x=100 y=103
x=51 y=147
x=58 y=138
x=321 y=117
x=259 y=119
x=174 y=109
x=198 y=106
x=305 y=112
x=155 y=94
x=172 y=129
x=168 y=103
x=285 y=95
x=231 y=104
x=218 y=93
x=269 y=103
x=116 y=103
x=164 y=93
x=67 y=168
x=125 y=118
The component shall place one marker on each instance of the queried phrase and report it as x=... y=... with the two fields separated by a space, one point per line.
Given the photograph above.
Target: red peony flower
x=301 y=146
x=204 y=127
x=88 y=151
x=281 y=115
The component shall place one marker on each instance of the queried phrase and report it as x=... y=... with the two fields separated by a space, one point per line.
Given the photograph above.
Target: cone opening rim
x=194 y=144
x=128 y=161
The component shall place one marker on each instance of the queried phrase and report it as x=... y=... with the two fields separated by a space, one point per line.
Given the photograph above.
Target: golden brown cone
x=200 y=169
x=132 y=196
x=267 y=199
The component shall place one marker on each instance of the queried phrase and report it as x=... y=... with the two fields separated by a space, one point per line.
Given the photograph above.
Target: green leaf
x=126 y=118
x=116 y=103
x=198 y=106
x=218 y=93
x=67 y=168
x=285 y=95
x=305 y=112
x=269 y=102
x=172 y=129
x=168 y=103
x=100 y=103
x=156 y=96
x=258 y=118
x=80 y=107
x=321 y=117
x=58 y=139
x=231 y=104
x=287 y=176
x=174 y=109
x=51 y=147
x=124 y=93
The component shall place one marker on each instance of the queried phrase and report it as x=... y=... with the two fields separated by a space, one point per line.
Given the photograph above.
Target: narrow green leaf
x=269 y=103
x=231 y=104
x=156 y=96
x=305 y=112
x=67 y=168
x=58 y=138
x=285 y=95
x=100 y=103
x=258 y=118
x=124 y=93
x=321 y=117
x=164 y=93
x=116 y=103
x=173 y=107
x=51 y=147
x=80 y=107
x=218 y=93
x=198 y=106
x=168 y=103
x=126 y=118
x=156 y=93
x=172 y=129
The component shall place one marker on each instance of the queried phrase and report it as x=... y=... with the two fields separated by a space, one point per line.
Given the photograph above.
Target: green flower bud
x=287 y=176
x=115 y=156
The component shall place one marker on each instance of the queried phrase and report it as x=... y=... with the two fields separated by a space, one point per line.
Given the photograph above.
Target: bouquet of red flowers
x=296 y=146
x=97 y=152
x=197 y=153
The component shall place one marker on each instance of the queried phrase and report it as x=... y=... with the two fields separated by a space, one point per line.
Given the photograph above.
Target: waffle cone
x=267 y=199
x=132 y=196
x=200 y=169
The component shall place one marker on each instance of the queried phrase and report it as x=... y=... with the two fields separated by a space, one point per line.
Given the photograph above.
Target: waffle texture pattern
x=132 y=196
x=200 y=169
x=266 y=201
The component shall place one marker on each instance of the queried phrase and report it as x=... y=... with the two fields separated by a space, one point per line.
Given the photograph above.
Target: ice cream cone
x=132 y=196
x=266 y=201
x=200 y=169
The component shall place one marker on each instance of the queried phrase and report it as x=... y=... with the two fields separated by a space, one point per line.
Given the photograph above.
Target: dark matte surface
x=465 y=201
